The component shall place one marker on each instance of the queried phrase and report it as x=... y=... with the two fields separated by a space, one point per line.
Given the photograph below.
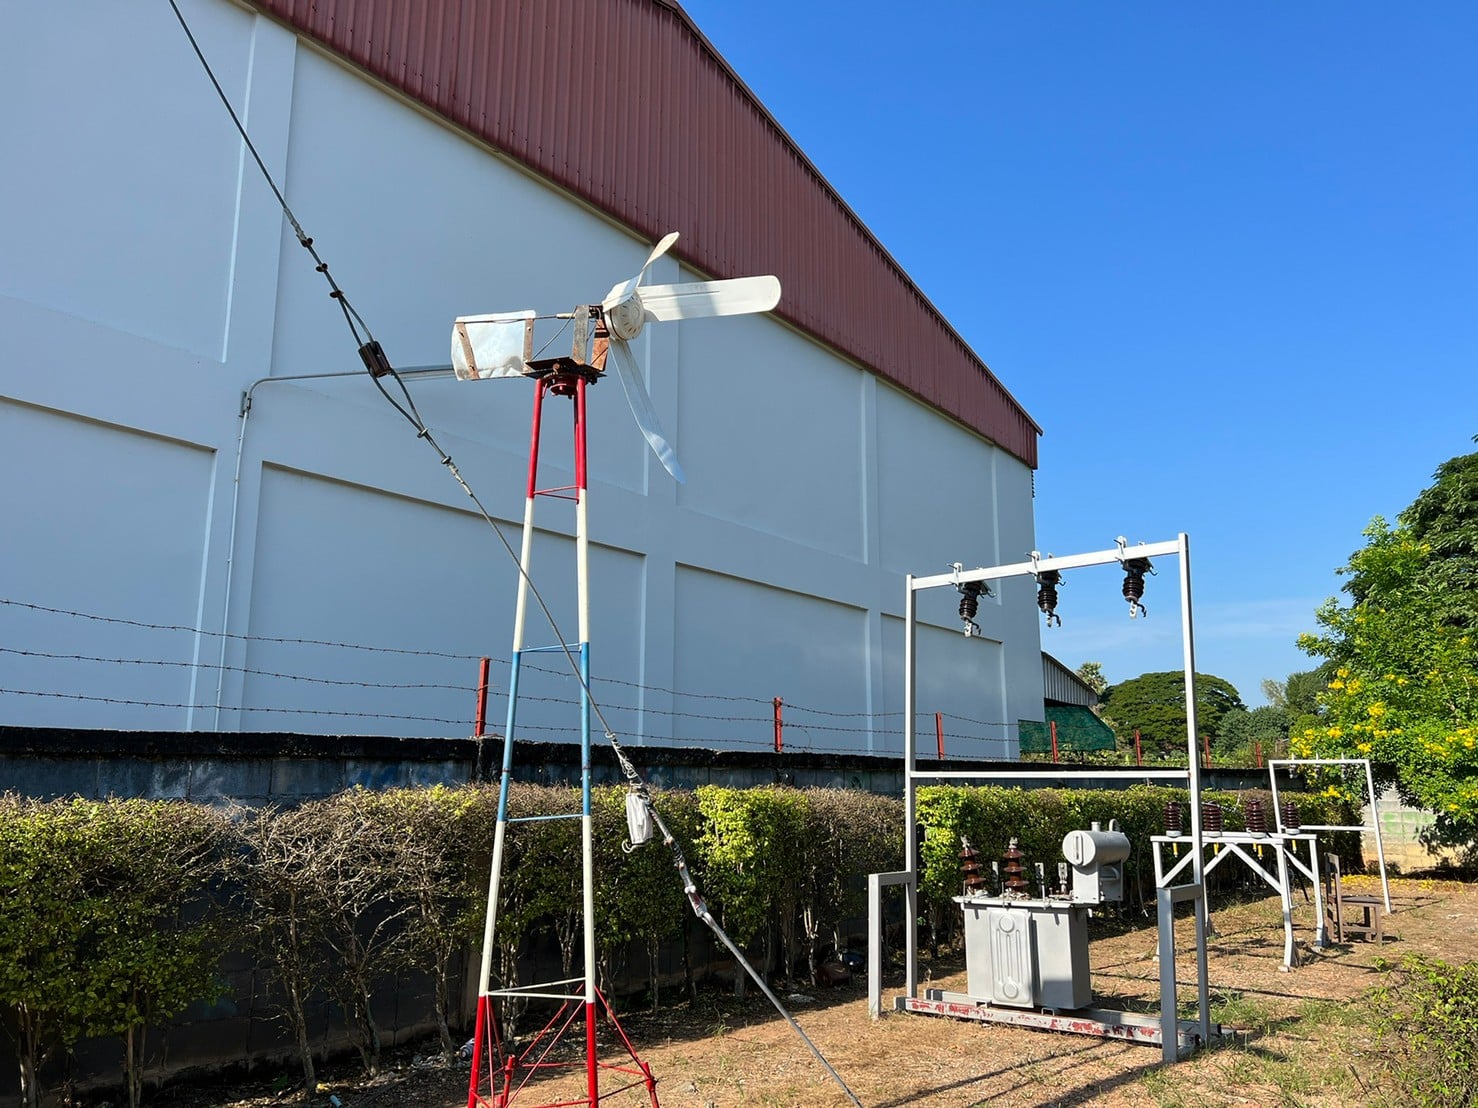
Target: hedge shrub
x=112 y=914
x=102 y=924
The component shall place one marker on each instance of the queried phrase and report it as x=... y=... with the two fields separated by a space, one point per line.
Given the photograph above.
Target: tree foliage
x=1154 y=705
x=1242 y=732
x=1091 y=674
x=1402 y=684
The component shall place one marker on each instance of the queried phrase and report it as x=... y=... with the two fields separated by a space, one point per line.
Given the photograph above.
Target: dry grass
x=1307 y=1037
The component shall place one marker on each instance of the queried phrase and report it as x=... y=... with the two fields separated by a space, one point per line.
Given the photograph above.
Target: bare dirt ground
x=1307 y=1040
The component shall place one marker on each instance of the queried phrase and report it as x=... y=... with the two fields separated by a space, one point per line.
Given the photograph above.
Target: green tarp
x=1077 y=729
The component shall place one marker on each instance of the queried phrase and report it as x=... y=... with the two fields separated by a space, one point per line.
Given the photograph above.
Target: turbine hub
x=627 y=318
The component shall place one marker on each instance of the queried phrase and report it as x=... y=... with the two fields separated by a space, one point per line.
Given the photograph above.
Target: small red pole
x=1257 y=751
x=779 y=726
x=1206 y=748
x=1138 y=749
x=939 y=732
x=1054 y=740
x=480 y=727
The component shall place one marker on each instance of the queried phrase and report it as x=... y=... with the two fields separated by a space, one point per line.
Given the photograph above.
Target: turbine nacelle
x=501 y=344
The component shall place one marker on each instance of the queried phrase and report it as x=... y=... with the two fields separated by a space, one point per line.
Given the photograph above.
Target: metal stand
x=499 y=1075
x=1363 y=763
x=1235 y=844
x=909 y=878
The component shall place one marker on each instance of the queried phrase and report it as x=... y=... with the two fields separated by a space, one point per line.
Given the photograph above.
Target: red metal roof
x=627 y=105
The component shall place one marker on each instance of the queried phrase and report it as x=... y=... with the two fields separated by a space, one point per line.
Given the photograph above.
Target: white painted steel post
x=1188 y=641
x=500 y=829
x=875 y=945
x=1285 y=894
x=1380 y=848
x=587 y=841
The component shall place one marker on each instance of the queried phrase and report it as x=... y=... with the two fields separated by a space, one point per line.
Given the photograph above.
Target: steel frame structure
x=1380 y=849
x=509 y=1072
x=1285 y=846
x=908 y=878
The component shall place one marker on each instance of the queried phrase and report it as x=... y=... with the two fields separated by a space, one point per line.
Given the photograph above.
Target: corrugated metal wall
x=1062 y=686
x=624 y=103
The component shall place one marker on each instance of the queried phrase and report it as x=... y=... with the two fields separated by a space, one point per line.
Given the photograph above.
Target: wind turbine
x=501 y=345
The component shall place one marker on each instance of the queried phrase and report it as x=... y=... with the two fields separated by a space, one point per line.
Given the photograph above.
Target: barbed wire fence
x=725 y=720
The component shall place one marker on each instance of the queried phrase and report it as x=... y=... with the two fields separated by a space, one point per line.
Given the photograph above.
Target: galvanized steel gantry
x=1027 y=956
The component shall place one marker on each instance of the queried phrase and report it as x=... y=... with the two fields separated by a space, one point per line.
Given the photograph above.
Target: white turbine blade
x=641 y=408
x=622 y=292
x=494 y=345
x=738 y=296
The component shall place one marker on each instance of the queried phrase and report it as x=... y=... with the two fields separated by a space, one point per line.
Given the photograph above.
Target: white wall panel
x=936 y=489
x=959 y=677
x=739 y=639
x=108 y=522
x=770 y=433
x=462 y=233
x=118 y=203
x=357 y=568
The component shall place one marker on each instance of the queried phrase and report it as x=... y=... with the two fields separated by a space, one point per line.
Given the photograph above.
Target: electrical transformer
x=1031 y=951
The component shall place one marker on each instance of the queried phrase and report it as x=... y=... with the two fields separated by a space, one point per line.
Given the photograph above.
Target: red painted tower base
x=501 y=1075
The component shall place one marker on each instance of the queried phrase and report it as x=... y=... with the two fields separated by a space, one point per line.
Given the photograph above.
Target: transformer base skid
x=1103 y=1022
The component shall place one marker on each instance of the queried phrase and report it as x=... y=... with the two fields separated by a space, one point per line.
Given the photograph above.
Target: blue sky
x=1226 y=255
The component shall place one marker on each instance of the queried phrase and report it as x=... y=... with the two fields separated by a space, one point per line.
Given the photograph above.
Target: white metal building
x=174 y=557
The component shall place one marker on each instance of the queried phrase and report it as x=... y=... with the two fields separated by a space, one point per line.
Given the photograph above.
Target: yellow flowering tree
x=1404 y=652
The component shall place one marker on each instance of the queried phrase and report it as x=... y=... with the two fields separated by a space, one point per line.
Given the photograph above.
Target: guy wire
x=382 y=363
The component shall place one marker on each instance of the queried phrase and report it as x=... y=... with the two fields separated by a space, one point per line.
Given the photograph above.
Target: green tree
x=1444 y=517
x=1301 y=697
x=1276 y=692
x=1154 y=705
x=1091 y=674
x=1402 y=656
x=1241 y=733
x=1302 y=691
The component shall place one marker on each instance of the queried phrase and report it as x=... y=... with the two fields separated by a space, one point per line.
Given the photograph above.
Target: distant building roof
x=1061 y=685
x=627 y=105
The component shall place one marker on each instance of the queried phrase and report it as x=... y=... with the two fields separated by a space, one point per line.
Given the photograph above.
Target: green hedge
x=112 y=914
x=102 y=930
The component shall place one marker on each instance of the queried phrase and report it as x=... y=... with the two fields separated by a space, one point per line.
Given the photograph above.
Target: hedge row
x=113 y=914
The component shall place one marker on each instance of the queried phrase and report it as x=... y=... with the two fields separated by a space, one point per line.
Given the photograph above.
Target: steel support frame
x=587 y=1002
x=1285 y=847
x=1380 y=849
x=1127 y=1026
x=1165 y=901
x=908 y=878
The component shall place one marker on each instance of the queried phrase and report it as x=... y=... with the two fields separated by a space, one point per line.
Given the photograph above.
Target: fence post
x=1053 y=725
x=480 y=727
x=939 y=732
x=1138 y=749
x=779 y=726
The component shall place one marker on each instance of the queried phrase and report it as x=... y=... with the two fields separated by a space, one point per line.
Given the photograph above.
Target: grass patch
x=1237 y=1009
